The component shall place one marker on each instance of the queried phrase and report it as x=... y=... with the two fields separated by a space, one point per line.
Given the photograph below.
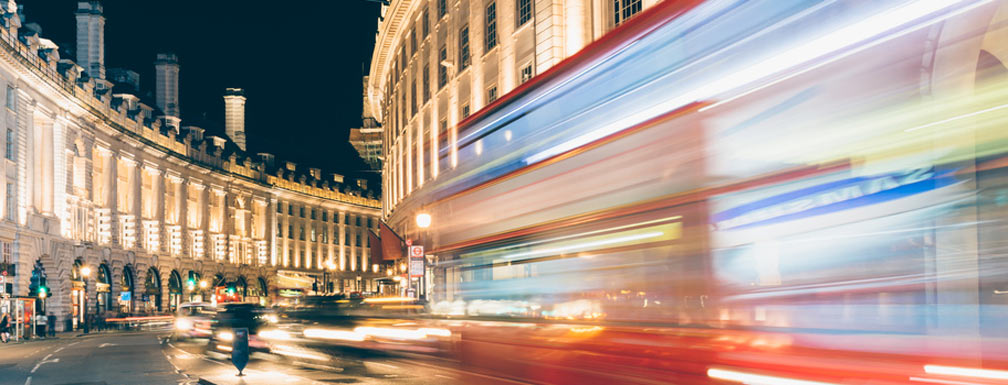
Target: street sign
x=416 y=251
x=240 y=349
x=416 y=267
x=3 y=279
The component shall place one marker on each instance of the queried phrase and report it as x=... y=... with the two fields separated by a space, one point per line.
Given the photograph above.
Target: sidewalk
x=72 y=334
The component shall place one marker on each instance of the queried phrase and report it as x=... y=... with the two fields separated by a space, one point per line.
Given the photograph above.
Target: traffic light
x=43 y=292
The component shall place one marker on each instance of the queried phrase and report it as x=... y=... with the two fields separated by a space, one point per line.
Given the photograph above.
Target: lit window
x=624 y=10
x=524 y=11
x=491 y=26
x=526 y=73
x=314 y=236
x=442 y=69
x=463 y=48
x=9 y=145
x=491 y=94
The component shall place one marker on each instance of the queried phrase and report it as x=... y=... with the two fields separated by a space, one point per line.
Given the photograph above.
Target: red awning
x=392 y=244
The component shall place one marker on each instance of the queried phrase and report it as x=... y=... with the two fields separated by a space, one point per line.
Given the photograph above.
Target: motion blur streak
x=756 y=379
x=840 y=217
x=966 y=372
x=345 y=335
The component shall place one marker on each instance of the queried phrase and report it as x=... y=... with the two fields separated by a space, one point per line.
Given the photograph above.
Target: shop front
x=78 y=295
x=174 y=291
x=103 y=289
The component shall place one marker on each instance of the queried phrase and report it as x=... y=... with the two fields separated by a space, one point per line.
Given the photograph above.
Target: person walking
x=4 y=326
x=51 y=324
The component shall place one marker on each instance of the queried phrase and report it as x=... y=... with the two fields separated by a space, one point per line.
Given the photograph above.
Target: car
x=193 y=320
x=232 y=316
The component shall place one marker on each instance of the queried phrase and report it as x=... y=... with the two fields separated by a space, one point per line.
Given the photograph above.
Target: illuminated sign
x=834 y=196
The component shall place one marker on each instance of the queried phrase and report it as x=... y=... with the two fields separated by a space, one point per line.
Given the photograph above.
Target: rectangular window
x=443 y=141
x=463 y=48
x=413 y=98
x=491 y=26
x=302 y=211
x=442 y=8
x=9 y=144
x=290 y=209
x=301 y=232
x=442 y=77
x=358 y=221
x=413 y=42
x=325 y=215
x=425 y=86
x=325 y=235
x=313 y=213
x=346 y=237
x=491 y=94
x=402 y=57
x=369 y=222
x=524 y=11
x=8 y=252
x=425 y=22
x=526 y=73
x=314 y=235
x=465 y=111
x=279 y=230
x=279 y=208
x=357 y=240
x=346 y=219
x=290 y=231
x=623 y=10
x=11 y=98
x=10 y=201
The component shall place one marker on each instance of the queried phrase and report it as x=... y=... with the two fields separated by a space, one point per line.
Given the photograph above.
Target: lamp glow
x=423 y=220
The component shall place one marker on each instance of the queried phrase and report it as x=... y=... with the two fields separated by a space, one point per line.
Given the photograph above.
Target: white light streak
x=954 y=118
x=344 y=335
x=966 y=372
x=779 y=63
x=757 y=379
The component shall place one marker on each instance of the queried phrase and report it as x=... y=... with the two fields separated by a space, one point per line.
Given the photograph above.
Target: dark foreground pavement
x=151 y=358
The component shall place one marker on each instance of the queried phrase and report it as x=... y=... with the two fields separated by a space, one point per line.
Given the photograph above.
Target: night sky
x=300 y=62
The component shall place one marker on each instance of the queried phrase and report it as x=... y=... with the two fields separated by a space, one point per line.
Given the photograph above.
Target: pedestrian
x=51 y=324
x=4 y=325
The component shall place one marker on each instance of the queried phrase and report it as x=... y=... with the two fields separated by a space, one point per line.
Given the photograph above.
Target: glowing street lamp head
x=423 y=220
x=203 y=284
x=85 y=271
x=330 y=265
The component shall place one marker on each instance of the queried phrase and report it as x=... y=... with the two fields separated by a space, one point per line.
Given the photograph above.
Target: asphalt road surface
x=151 y=358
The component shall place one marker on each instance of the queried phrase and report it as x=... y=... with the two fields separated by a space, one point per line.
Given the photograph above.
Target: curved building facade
x=114 y=208
x=436 y=62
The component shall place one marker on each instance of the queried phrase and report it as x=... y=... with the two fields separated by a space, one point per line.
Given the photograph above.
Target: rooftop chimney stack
x=234 y=115
x=166 y=73
x=91 y=38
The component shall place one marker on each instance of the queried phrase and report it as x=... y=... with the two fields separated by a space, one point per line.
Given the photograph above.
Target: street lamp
x=85 y=271
x=203 y=284
x=423 y=220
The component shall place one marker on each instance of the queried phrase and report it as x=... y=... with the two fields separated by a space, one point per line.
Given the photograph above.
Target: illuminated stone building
x=122 y=205
x=436 y=62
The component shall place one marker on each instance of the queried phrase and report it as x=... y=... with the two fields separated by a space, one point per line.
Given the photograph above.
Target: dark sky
x=299 y=61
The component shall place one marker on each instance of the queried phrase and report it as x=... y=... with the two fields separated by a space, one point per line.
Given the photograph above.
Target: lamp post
x=85 y=273
x=423 y=221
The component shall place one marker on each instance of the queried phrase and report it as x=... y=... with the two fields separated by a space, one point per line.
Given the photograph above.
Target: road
x=151 y=358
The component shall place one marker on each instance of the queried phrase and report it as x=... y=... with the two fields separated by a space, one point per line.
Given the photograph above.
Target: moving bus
x=759 y=192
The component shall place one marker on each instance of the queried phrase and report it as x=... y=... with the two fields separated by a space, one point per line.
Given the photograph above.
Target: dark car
x=238 y=315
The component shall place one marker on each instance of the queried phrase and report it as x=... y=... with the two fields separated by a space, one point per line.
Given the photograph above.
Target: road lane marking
x=58 y=350
x=54 y=360
x=74 y=343
x=47 y=357
x=105 y=345
x=27 y=381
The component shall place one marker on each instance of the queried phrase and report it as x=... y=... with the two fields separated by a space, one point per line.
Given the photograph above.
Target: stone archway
x=152 y=291
x=175 y=290
x=127 y=290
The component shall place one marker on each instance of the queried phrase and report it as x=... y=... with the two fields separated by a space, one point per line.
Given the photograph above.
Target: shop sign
x=416 y=267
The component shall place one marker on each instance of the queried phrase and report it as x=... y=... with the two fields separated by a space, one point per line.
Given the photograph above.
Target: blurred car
x=193 y=320
x=232 y=316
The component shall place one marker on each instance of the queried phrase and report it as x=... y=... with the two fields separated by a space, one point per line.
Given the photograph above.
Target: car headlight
x=183 y=324
x=271 y=318
x=225 y=336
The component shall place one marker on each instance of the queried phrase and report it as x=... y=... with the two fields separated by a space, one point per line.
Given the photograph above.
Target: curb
x=203 y=381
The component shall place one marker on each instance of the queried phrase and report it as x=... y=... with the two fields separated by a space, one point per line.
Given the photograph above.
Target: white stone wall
x=92 y=185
